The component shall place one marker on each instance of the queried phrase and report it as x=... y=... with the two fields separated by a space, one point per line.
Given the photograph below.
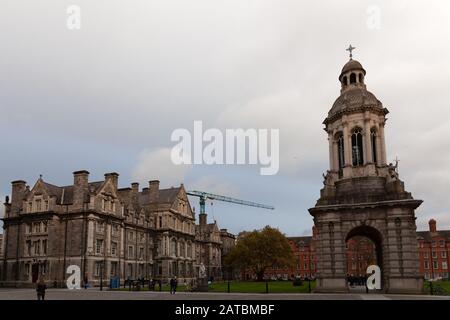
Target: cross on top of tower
x=350 y=49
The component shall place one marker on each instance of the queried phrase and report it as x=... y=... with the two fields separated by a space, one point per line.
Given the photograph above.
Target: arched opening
x=344 y=80
x=357 y=147
x=373 y=142
x=352 y=78
x=363 y=246
x=360 y=78
x=340 y=151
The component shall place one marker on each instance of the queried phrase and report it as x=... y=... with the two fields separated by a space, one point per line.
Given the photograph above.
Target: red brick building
x=434 y=255
x=434 y=251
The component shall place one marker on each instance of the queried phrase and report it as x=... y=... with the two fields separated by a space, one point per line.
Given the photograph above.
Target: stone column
x=383 y=145
x=331 y=151
x=347 y=146
x=90 y=239
x=368 y=158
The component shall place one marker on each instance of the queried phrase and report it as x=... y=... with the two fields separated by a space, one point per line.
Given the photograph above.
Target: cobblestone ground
x=95 y=294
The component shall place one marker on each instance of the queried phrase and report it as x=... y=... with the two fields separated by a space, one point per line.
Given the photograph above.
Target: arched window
x=352 y=78
x=373 y=141
x=340 y=150
x=360 y=78
x=344 y=80
x=357 y=148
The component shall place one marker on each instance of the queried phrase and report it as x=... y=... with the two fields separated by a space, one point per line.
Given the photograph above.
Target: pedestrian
x=175 y=284
x=40 y=289
x=171 y=285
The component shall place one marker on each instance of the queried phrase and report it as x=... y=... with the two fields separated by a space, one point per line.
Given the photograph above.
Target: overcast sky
x=108 y=96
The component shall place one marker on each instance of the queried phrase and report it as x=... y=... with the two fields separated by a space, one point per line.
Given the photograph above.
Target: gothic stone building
x=107 y=231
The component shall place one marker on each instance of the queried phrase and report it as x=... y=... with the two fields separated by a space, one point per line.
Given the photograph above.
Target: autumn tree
x=259 y=250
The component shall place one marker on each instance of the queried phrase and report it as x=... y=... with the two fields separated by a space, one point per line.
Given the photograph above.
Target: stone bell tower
x=363 y=194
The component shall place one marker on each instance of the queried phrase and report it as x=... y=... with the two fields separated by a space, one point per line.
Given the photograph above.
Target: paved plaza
x=96 y=294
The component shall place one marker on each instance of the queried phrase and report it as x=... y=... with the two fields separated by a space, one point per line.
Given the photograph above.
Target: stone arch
x=369 y=230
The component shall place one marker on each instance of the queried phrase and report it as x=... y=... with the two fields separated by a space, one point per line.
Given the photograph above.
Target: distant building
x=107 y=231
x=434 y=252
x=228 y=242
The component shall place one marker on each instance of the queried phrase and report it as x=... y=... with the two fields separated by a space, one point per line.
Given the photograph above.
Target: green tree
x=259 y=250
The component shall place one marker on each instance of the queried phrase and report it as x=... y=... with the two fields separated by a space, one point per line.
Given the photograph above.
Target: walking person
x=40 y=289
x=171 y=284
x=175 y=284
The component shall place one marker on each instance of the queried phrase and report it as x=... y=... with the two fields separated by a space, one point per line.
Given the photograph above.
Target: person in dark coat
x=40 y=289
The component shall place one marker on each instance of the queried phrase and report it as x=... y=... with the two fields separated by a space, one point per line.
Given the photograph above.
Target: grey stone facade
x=107 y=231
x=362 y=194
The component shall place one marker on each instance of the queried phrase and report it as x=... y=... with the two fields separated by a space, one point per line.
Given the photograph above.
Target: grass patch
x=260 y=287
x=440 y=287
x=243 y=287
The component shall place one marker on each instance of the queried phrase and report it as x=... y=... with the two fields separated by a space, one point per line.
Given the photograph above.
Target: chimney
x=153 y=190
x=202 y=217
x=135 y=187
x=114 y=177
x=432 y=224
x=17 y=195
x=80 y=188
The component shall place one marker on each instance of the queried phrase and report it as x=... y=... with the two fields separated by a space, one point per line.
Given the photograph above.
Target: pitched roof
x=428 y=236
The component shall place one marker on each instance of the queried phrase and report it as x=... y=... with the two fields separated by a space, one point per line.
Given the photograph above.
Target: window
x=345 y=80
x=173 y=248
x=130 y=251
x=29 y=247
x=98 y=268
x=130 y=236
x=46 y=205
x=130 y=270
x=434 y=254
x=425 y=254
x=352 y=78
x=44 y=226
x=426 y=265
x=357 y=148
x=37 y=248
x=160 y=222
x=444 y=265
x=44 y=246
x=113 y=248
x=433 y=243
x=99 y=246
x=36 y=227
x=340 y=143
x=441 y=243
x=28 y=228
x=373 y=140
x=444 y=254
x=435 y=265
x=38 y=205
x=141 y=252
x=113 y=269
